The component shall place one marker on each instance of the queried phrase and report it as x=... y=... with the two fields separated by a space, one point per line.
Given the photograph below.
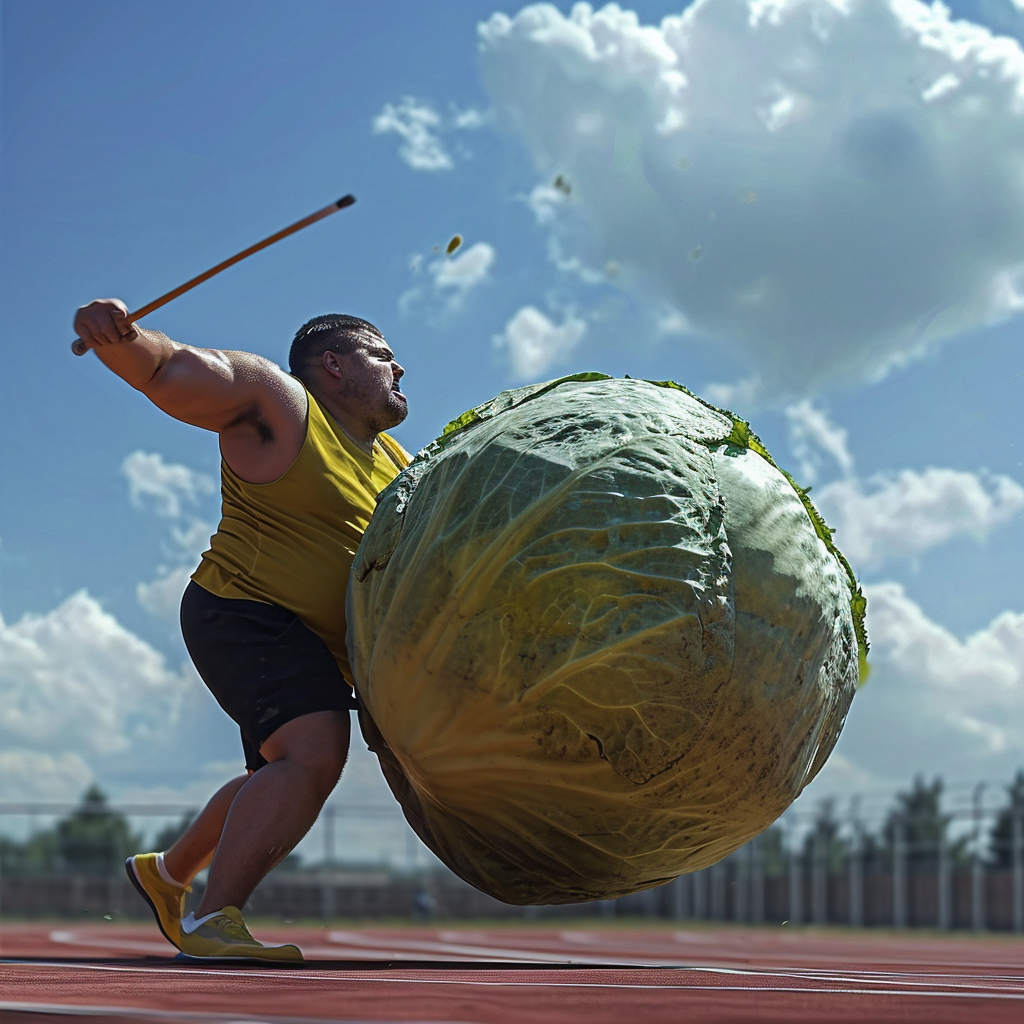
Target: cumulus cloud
x=831 y=186
x=161 y=487
x=902 y=515
x=935 y=704
x=460 y=273
x=418 y=124
x=75 y=681
x=896 y=515
x=811 y=435
x=415 y=122
x=454 y=277
x=534 y=343
x=164 y=488
x=36 y=775
x=162 y=596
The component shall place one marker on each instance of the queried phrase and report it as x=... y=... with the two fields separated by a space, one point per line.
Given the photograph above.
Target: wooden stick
x=80 y=347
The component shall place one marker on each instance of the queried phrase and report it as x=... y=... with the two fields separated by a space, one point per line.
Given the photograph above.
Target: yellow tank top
x=291 y=542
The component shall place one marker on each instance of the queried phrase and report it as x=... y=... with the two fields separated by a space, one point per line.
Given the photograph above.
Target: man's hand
x=104 y=322
x=258 y=410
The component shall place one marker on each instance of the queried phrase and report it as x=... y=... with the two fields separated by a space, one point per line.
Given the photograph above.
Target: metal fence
x=961 y=867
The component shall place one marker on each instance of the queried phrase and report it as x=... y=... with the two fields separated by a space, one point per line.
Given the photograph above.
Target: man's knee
x=316 y=742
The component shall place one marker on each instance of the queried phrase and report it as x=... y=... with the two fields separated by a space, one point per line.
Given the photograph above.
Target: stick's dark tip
x=345 y=201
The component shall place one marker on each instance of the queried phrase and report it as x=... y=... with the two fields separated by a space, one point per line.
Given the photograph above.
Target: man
x=303 y=458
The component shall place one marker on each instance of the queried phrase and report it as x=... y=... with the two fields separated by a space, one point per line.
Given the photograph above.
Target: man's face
x=369 y=385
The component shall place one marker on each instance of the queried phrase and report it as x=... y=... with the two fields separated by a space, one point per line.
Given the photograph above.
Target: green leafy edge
x=741 y=437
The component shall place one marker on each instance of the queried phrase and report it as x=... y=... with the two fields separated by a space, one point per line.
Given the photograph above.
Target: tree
x=1001 y=836
x=95 y=840
x=772 y=850
x=35 y=856
x=919 y=811
x=824 y=840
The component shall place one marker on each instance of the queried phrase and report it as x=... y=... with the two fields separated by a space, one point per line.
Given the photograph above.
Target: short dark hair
x=333 y=332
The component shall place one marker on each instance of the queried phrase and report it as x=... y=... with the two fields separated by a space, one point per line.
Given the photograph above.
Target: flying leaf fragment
x=454 y=244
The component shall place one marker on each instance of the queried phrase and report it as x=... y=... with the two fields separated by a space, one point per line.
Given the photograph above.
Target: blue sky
x=144 y=142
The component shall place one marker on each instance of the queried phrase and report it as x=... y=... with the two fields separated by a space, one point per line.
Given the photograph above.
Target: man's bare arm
x=258 y=410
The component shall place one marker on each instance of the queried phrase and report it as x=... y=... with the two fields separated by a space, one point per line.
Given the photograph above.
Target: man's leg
x=276 y=806
x=194 y=848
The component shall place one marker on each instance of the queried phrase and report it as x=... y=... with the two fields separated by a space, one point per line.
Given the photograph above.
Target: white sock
x=164 y=873
x=190 y=924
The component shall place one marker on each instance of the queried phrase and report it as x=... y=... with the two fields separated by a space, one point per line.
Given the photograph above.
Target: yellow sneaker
x=225 y=934
x=167 y=901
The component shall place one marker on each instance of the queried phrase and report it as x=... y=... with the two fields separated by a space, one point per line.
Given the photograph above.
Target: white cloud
x=162 y=596
x=454 y=277
x=470 y=118
x=935 y=704
x=415 y=122
x=898 y=515
x=799 y=177
x=193 y=540
x=75 y=681
x=534 y=343
x=420 y=127
x=902 y=515
x=744 y=394
x=671 y=321
x=464 y=271
x=35 y=775
x=161 y=486
x=812 y=434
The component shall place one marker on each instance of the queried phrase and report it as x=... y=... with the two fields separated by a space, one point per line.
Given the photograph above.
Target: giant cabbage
x=599 y=638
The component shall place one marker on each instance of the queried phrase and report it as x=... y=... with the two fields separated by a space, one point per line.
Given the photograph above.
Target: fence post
x=699 y=888
x=1018 y=871
x=329 y=812
x=899 y=874
x=328 y=894
x=857 y=878
x=944 y=883
x=741 y=904
x=819 y=877
x=757 y=881
x=717 y=892
x=977 y=865
x=796 y=883
x=856 y=866
x=681 y=902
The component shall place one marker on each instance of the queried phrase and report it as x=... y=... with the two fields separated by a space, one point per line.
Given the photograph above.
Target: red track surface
x=497 y=975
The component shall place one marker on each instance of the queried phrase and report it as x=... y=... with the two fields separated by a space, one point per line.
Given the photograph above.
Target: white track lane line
x=69 y=938
x=631 y=946
x=491 y=953
x=476 y=954
x=624 y=960
x=81 y=1010
x=376 y=977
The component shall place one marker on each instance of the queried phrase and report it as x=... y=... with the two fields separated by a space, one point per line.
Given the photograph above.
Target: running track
x=63 y=974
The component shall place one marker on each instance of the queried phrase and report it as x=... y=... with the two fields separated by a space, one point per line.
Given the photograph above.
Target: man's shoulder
x=397 y=453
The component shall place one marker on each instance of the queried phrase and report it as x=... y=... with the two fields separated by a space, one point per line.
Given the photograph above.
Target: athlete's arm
x=258 y=410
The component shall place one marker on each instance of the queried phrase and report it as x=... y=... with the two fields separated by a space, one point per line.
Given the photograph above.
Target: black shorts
x=263 y=664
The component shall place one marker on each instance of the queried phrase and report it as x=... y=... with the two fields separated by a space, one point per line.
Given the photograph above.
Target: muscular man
x=303 y=458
